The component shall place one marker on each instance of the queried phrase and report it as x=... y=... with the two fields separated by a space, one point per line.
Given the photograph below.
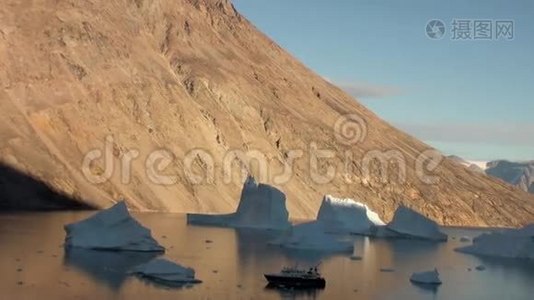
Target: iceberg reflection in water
x=108 y=267
x=232 y=265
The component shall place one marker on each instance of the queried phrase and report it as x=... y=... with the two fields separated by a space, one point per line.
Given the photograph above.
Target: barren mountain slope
x=194 y=74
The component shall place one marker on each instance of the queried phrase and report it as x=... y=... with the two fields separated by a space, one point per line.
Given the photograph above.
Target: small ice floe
x=111 y=229
x=411 y=224
x=428 y=277
x=261 y=206
x=465 y=239
x=347 y=216
x=166 y=272
x=312 y=236
x=480 y=268
x=387 y=270
x=507 y=243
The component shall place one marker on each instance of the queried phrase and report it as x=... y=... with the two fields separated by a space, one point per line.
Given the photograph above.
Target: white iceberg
x=428 y=277
x=347 y=215
x=312 y=236
x=509 y=243
x=336 y=216
x=409 y=223
x=165 y=272
x=261 y=206
x=111 y=229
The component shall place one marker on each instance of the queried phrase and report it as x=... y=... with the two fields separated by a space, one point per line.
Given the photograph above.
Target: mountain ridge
x=196 y=75
x=520 y=174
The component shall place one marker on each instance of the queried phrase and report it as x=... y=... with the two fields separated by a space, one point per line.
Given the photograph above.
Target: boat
x=293 y=277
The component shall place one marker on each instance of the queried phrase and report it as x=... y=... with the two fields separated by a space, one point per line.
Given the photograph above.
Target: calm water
x=34 y=265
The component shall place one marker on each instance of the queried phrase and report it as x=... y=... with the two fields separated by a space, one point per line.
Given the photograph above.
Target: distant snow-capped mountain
x=520 y=174
x=477 y=166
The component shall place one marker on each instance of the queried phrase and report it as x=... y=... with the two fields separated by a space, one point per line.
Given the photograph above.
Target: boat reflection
x=294 y=293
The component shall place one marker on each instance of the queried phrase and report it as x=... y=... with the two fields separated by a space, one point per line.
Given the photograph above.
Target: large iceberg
x=335 y=217
x=312 y=236
x=347 y=215
x=166 y=272
x=508 y=243
x=411 y=224
x=261 y=206
x=111 y=229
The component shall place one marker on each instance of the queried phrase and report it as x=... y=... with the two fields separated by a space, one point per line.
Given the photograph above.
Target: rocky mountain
x=137 y=99
x=520 y=174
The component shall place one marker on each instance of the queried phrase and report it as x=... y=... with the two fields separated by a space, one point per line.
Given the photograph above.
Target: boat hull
x=296 y=282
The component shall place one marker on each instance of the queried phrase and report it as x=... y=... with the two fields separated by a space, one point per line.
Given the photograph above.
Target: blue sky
x=472 y=98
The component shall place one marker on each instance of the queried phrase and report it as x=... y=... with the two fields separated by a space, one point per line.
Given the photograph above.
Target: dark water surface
x=34 y=265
